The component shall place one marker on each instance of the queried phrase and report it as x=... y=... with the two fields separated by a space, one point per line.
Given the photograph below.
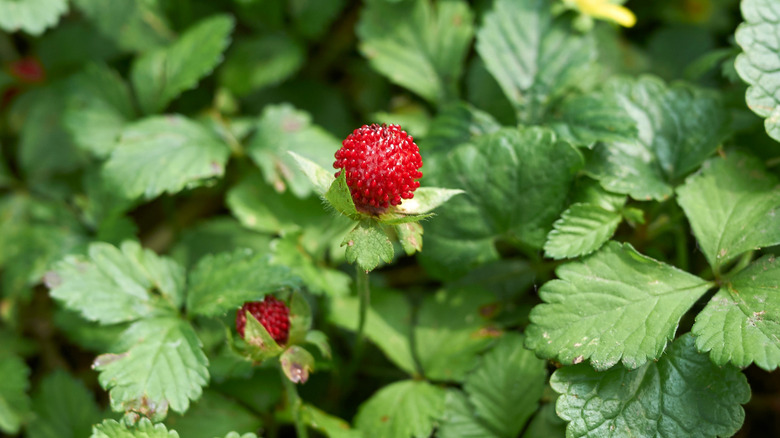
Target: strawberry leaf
x=118 y=284
x=741 y=323
x=368 y=245
x=536 y=62
x=596 y=117
x=682 y=394
x=64 y=408
x=733 y=206
x=161 y=75
x=759 y=64
x=582 y=229
x=164 y=154
x=14 y=401
x=160 y=364
x=223 y=282
x=214 y=415
x=614 y=306
x=402 y=409
x=679 y=127
x=419 y=45
x=330 y=426
x=31 y=16
x=144 y=429
x=135 y=26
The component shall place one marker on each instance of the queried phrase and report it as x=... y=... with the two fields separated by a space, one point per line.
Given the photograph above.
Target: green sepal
x=393 y=218
x=339 y=197
x=296 y=364
x=320 y=178
x=425 y=200
x=367 y=244
x=410 y=237
x=300 y=318
x=260 y=344
x=319 y=340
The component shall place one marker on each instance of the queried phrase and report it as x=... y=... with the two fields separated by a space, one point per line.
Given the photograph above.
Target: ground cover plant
x=389 y=218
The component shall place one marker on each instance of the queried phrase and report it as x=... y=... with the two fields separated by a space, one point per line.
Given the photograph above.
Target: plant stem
x=364 y=295
x=294 y=403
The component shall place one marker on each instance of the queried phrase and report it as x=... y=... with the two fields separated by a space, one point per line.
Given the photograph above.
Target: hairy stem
x=364 y=295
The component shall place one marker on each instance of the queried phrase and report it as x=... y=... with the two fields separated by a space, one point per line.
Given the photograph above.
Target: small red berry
x=272 y=313
x=27 y=70
x=381 y=164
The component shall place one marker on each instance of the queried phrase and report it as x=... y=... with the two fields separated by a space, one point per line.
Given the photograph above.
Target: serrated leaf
x=31 y=16
x=759 y=64
x=212 y=416
x=515 y=182
x=161 y=75
x=682 y=394
x=164 y=154
x=289 y=251
x=498 y=411
x=732 y=206
x=253 y=64
x=136 y=26
x=225 y=281
x=213 y=236
x=596 y=117
x=368 y=245
x=679 y=127
x=614 y=306
x=161 y=365
x=144 y=429
x=740 y=324
x=418 y=45
x=459 y=420
x=282 y=129
x=582 y=229
x=450 y=332
x=534 y=57
x=387 y=324
x=402 y=410
x=116 y=284
x=98 y=111
x=63 y=408
x=14 y=401
x=457 y=124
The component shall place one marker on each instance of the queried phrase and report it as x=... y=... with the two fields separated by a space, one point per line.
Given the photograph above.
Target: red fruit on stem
x=272 y=313
x=27 y=70
x=381 y=164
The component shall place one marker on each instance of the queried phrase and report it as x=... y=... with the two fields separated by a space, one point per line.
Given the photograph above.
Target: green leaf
x=507 y=365
x=759 y=64
x=614 y=306
x=410 y=236
x=597 y=117
x=213 y=236
x=582 y=229
x=546 y=424
x=213 y=415
x=312 y=18
x=319 y=340
x=740 y=324
x=387 y=324
x=300 y=317
x=515 y=182
x=368 y=245
x=223 y=282
x=732 y=206
x=135 y=26
x=450 y=332
x=161 y=365
x=402 y=410
x=682 y=394
x=418 y=45
x=164 y=154
x=161 y=75
x=97 y=113
x=427 y=199
x=118 y=284
x=317 y=277
x=144 y=429
x=330 y=426
x=31 y=16
x=534 y=57
x=459 y=420
x=14 y=401
x=456 y=124
x=63 y=408
x=253 y=64
x=283 y=129
x=679 y=127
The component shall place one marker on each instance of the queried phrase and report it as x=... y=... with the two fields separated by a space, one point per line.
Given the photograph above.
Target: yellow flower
x=605 y=10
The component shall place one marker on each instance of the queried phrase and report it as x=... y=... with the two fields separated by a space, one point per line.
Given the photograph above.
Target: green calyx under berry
x=272 y=313
x=381 y=165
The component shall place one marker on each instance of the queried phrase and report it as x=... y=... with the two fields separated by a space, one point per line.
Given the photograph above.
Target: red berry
x=381 y=165
x=27 y=70
x=272 y=313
